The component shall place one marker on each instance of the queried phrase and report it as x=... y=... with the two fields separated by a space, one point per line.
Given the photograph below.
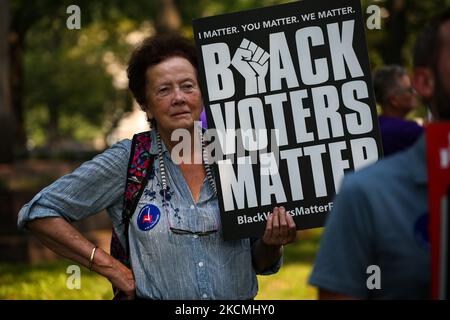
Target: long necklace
x=162 y=167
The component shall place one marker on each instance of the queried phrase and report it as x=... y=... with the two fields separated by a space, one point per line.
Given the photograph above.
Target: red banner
x=438 y=156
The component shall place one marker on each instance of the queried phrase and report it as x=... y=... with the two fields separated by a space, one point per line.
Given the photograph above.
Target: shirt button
x=192 y=207
x=205 y=296
x=200 y=264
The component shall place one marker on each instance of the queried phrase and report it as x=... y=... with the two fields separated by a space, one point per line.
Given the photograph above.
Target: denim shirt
x=166 y=265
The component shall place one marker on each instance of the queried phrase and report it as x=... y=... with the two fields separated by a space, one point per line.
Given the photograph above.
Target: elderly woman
x=181 y=254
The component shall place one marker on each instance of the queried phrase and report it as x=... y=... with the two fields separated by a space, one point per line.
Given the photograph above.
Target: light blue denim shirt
x=166 y=265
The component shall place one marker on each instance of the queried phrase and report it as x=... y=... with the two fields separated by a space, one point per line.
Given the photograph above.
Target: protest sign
x=288 y=90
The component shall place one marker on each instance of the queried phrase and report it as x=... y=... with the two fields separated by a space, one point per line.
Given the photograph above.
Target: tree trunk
x=16 y=52
x=396 y=31
x=6 y=114
x=54 y=134
x=168 y=17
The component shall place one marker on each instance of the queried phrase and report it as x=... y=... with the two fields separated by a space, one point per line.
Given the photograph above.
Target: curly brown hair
x=154 y=50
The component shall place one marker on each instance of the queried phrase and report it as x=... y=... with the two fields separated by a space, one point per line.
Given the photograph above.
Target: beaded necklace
x=162 y=171
x=162 y=167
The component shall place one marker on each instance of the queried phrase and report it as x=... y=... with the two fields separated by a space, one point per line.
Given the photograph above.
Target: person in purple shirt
x=396 y=96
x=203 y=119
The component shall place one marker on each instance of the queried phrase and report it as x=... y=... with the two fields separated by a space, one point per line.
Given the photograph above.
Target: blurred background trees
x=401 y=20
x=62 y=88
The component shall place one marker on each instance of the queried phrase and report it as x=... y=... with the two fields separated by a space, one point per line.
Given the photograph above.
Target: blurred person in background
x=397 y=98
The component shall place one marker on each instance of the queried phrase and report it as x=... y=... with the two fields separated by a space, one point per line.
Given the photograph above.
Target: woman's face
x=173 y=95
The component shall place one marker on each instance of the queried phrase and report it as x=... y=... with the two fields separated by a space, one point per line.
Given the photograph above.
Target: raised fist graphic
x=253 y=63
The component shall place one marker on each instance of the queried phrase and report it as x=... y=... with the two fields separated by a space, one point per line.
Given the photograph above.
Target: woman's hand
x=119 y=275
x=122 y=279
x=280 y=228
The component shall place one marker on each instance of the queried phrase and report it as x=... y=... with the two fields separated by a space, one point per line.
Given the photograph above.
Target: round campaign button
x=148 y=217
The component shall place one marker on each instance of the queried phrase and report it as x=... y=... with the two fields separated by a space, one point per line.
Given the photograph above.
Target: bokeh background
x=64 y=99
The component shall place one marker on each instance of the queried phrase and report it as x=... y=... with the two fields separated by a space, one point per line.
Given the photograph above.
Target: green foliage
x=35 y=122
x=66 y=72
x=401 y=21
x=69 y=90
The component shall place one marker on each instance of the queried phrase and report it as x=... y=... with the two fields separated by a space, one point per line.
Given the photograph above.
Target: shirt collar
x=154 y=145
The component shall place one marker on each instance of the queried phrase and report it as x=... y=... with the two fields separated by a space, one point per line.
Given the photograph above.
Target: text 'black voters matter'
x=288 y=91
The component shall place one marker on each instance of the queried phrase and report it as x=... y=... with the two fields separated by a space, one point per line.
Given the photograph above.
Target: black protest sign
x=289 y=92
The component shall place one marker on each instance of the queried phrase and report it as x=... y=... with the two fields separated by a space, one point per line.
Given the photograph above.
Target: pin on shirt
x=148 y=217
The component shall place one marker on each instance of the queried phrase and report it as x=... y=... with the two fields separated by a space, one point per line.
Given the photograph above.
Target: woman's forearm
x=60 y=249
x=61 y=237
